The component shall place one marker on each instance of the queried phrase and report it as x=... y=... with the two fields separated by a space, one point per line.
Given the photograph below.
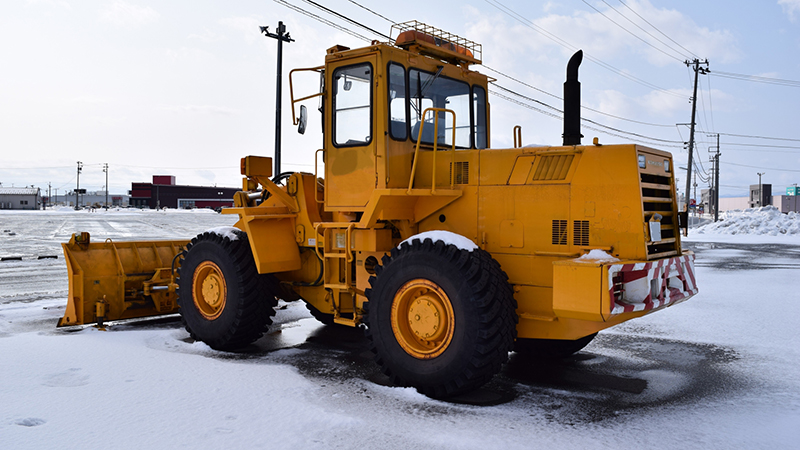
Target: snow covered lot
x=718 y=371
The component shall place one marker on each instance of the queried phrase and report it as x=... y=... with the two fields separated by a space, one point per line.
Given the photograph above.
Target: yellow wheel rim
x=209 y=291
x=422 y=319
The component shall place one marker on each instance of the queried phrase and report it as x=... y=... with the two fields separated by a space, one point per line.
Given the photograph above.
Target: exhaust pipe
x=572 y=102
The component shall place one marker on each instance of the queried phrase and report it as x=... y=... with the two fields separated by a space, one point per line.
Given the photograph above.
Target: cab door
x=350 y=142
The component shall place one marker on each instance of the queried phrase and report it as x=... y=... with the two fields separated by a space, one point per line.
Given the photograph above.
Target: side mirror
x=301 y=126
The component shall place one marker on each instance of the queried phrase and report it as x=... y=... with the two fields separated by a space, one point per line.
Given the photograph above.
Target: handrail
x=291 y=88
x=316 y=177
x=517 y=136
x=436 y=112
x=346 y=226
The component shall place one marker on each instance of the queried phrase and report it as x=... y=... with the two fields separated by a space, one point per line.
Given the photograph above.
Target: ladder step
x=345 y=321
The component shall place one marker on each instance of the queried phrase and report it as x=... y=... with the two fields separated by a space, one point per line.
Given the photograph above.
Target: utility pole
x=105 y=169
x=694 y=213
x=78 y=187
x=49 y=199
x=697 y=70
x=760 y=194
x=715 y=160
x=281 y=38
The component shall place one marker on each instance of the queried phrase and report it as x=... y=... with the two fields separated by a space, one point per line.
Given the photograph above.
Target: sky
x=187 y=88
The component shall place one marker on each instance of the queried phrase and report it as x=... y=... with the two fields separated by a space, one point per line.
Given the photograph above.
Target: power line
x=341 y=16
x=756 y=78
x=728 y=149
x=323 y=20
x=757 y=167
x=582 y=106
x=739 y=144
x=530 y=85
x=528 y=23
x=656 y=28
x=760 y=137
x=630 y=32
x=603 y=128
x=373 y=12
x=645 y=31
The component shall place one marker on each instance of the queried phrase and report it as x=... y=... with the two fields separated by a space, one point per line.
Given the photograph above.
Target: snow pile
x=445 y=236
x=767 y=220
x=597 y=256
x=225 y=232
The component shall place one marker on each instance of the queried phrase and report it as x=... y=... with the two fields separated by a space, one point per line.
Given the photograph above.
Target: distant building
x=730 y=203
x=764 y=191
x=95 y=198
x=786 y=203
x=707 y=200
x=20 y=198
x=164 y=193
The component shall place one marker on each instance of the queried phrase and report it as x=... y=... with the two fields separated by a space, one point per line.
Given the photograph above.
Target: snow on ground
x=767 y=220
x=716 y=372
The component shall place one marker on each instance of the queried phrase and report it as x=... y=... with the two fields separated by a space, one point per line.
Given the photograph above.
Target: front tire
x=440 y=318
x=223 y=300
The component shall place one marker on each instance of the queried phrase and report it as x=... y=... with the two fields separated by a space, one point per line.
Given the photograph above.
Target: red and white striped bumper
x=651 y=285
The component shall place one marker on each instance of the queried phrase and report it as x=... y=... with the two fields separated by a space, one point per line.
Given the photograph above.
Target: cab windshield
x=410 y=96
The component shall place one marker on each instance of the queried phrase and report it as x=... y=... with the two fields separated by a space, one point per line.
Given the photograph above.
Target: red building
x=164 y=193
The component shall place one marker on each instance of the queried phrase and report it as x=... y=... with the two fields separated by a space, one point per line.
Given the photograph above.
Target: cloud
x=202 y=109
x=90 y=99
x=601 y=38
x=124 y=14
x=207 y=36
x=59 y=3
x=247 y=26
x=790 y=8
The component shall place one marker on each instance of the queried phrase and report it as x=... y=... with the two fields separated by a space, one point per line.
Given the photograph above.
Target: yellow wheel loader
x=449 y=254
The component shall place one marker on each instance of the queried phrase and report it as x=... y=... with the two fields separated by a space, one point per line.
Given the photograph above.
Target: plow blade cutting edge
x=120 y=280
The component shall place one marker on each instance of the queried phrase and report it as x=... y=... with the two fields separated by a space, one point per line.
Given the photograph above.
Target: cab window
x=398 y=122
x=429 y=90
x=479 y=108
x=352 y=105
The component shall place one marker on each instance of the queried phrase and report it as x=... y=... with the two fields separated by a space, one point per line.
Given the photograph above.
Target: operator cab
x=383 y=102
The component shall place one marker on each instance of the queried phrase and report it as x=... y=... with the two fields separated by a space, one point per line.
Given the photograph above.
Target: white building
x=90 y=198
x=20 y=198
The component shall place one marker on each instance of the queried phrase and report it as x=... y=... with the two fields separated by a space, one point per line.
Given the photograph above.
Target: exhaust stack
x=572 y=102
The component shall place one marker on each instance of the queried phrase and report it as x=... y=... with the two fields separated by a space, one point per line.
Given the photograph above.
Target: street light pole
x=78 y=188
x=281 y=36
x=760 y=194
x=105 y=169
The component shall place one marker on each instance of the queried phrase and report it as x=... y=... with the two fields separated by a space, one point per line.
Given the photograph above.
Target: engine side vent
x=459 y=172
x=559 y=232
x=580 y=233
x=554 y=167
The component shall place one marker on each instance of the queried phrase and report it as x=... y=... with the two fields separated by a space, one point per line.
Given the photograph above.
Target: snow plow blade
x=119 y=280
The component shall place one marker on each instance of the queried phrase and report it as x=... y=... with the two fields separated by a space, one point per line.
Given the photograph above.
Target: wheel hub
x=209 y=290
x=422 y=319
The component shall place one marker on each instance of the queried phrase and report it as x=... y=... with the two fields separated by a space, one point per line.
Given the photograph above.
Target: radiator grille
x=459 y=172
x=559 y=232
x=580 y=233
x=554 y=167
x=657 y=198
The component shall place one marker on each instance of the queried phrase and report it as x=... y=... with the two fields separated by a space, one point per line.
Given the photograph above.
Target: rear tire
x=223 y=300
x=551 y=348
x=439 y=318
